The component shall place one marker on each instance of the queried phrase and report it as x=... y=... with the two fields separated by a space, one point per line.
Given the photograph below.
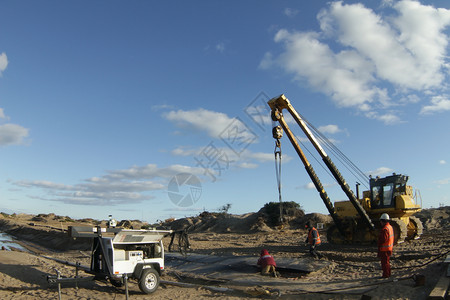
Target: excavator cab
x=383 y=191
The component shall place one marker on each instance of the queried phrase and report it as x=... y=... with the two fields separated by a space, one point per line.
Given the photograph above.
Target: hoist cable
x=277 y=153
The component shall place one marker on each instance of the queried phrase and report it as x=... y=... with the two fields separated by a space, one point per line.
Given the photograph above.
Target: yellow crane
x=355 y=220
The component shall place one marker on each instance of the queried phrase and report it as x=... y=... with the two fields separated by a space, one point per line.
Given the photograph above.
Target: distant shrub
x=290 y=210
x=225 y=208
x=68 y=219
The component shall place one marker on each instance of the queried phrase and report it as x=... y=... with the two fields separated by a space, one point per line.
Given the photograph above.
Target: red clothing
x=385 y=264
x=266 y=259
x=386 y=239
x=385 y=247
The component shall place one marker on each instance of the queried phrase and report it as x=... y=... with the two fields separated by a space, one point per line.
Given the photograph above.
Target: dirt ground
x=24 y=275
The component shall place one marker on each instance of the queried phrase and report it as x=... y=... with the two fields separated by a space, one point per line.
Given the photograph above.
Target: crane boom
x=279 y=103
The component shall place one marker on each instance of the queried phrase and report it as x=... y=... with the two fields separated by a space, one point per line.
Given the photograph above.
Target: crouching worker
x=313 y=240
x=267 y=263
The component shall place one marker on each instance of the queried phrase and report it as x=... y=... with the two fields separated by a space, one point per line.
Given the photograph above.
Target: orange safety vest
x=310 y=237
x=388 y=244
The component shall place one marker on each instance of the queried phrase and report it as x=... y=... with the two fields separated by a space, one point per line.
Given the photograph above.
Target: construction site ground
x=223 y=265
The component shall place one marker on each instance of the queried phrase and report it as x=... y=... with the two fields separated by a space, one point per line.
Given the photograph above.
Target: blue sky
x=103 y=104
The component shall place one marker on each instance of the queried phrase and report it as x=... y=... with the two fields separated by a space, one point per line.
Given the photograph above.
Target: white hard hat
x=384 y=217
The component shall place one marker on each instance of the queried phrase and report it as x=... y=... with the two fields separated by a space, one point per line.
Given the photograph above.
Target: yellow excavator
x=355 y=220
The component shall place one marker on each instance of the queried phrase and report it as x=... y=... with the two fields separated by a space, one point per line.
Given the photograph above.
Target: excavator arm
x=279 y=103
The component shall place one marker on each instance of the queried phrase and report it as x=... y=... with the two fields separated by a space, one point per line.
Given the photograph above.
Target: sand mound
x=265 y=220
x=434 y=218
x=49 y=230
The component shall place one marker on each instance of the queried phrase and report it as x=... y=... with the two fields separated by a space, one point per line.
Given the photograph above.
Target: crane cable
x=277 y=134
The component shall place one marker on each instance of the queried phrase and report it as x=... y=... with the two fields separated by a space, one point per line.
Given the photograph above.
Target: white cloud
x=201 y=120
x=422 y=35
x=215 y=124
x=12 y=134
x=261 y=157
x=44 y=184
x=344 y=77
x=330 y=129
x=247 y=165
x=229 y=157
x=267 y=61
x=444 y=181
x=442 y=162
x=309 y=186
x=150 y=171
x=220 y=47
x=290 y=12
x=381 y=171
x=184 y=151
x=130 y=185
x=406 y=50
x=159 y=107
x=438 y=104
x=3 y=62
x=388 y=119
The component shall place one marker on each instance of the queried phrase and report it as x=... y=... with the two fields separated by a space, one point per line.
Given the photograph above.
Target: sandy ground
x=24 y=275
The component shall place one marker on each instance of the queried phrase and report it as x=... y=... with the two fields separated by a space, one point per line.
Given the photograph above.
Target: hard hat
x=384 y=217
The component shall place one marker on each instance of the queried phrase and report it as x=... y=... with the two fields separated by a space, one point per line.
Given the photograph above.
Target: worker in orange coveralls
x=313 y=240
x=385 y=245
x=267 y=263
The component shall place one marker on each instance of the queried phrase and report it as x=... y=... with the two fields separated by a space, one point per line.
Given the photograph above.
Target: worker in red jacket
x=385 y=245
x=313 y=240
x=267 y=263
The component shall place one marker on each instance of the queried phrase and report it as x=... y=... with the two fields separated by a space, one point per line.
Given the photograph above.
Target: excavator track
x=356 y=234
x=415 y=228
x=334 y=236
x=400 y=230
x=364 y=236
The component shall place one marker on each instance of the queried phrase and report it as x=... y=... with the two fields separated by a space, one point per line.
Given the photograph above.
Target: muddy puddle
x=7 y=242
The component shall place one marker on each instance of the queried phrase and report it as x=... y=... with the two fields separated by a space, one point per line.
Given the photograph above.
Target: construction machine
x=355 y=220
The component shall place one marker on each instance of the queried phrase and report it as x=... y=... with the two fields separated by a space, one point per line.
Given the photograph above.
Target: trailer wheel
x=149 y=281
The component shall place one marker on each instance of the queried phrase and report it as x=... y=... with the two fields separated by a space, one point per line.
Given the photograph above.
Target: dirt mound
x=219 y=223
x=50 y=230
x=286 y=213
x=265 y=220
x=47 y=237
x=434 y=218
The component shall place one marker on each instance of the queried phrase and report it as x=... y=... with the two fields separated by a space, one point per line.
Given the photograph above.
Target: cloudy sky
x=150 y=110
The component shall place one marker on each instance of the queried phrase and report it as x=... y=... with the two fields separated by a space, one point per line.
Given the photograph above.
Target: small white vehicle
x=125 y=253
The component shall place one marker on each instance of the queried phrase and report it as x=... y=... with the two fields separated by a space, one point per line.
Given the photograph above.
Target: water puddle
x=7 y=242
